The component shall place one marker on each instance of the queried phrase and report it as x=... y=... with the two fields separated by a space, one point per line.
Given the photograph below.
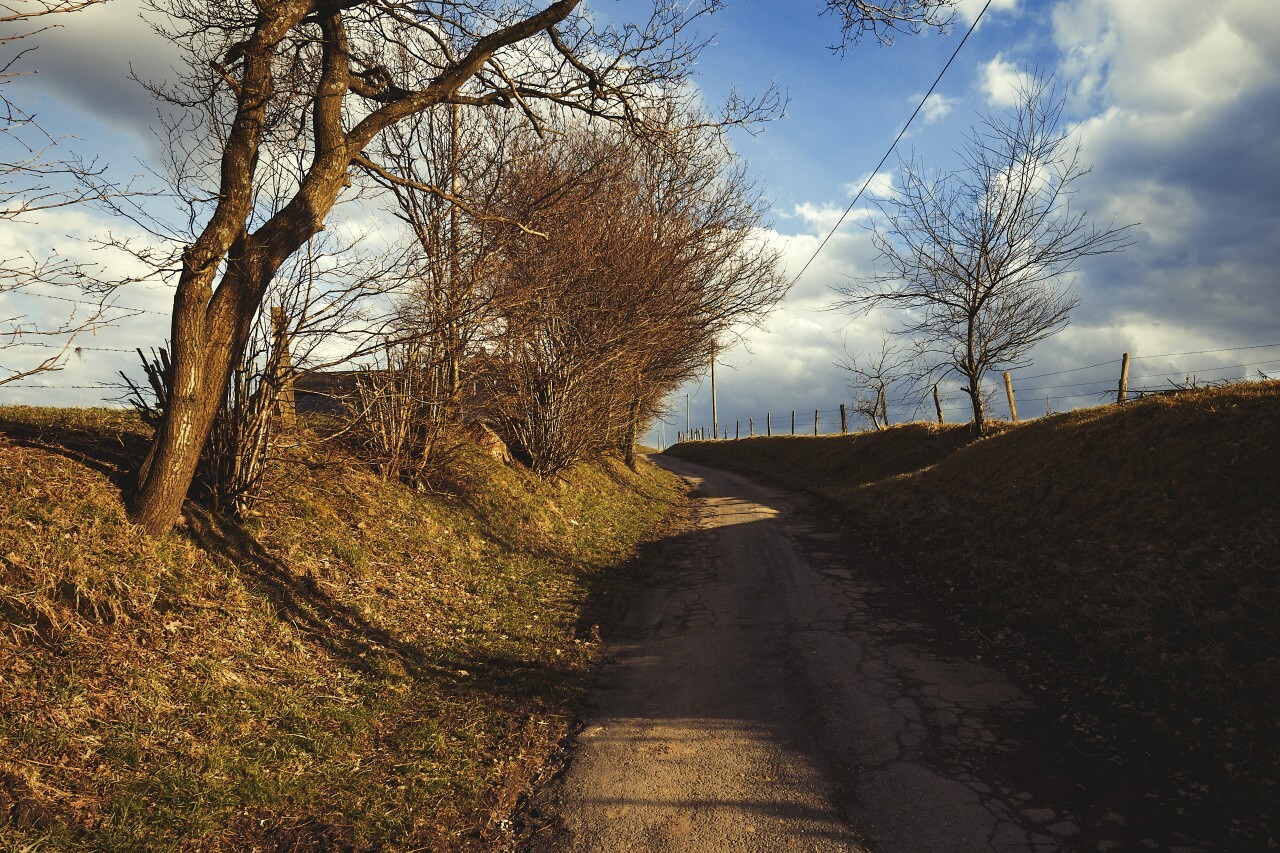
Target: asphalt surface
x=765 y=693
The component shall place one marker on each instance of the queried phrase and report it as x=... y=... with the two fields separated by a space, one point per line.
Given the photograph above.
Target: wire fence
x=1113 y=382
x=1099 y=384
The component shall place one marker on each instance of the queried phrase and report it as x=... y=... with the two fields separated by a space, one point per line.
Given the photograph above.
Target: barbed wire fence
x=1114 y=383
x=1111 y=382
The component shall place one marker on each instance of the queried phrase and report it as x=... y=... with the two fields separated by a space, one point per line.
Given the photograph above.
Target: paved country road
x=765 y=694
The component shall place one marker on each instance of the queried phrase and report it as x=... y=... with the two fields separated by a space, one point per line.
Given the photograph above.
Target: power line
x=893 y=145
x=64 y=387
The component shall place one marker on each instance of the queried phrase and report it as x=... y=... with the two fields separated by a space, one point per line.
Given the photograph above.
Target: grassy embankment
x=1123 y=554
x=361 y=665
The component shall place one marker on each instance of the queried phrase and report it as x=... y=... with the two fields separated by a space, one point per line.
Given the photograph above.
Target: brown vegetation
x=361 y=665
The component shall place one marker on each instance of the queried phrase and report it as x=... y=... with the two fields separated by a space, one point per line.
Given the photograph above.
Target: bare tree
x=332 y=78
x=652 y=257
x=981 y=259
x=870 y=378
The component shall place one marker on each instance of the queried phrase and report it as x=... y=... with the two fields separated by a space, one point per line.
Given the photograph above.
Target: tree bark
x=975 y=396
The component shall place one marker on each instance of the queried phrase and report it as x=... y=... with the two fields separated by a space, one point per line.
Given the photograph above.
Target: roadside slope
x=1123 y=558
x=360 y=666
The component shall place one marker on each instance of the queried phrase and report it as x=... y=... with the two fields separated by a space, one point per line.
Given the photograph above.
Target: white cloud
x=970 y=9
x=1002 y=81
x=1182 y=138
x=936 y=107
x=879 y=185
x=89 y=58
x=1168 y=55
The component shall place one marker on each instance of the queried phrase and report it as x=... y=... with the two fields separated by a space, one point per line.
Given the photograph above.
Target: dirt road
x=766 y=695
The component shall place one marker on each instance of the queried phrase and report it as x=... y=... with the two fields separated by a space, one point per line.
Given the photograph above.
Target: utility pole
x=715 y=414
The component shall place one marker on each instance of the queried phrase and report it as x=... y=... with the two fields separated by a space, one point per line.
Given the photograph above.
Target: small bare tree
x=980 y=259
x=871 y=376
x=652 y=259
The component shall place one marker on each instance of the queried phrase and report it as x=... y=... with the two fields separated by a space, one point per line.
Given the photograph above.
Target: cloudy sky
x=1174 y=102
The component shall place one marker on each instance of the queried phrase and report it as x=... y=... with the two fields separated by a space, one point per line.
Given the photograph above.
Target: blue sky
x=1175 y=103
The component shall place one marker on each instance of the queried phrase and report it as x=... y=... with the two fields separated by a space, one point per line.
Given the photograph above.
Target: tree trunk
x=210 y=332
x=975 y=396
x=632 y=433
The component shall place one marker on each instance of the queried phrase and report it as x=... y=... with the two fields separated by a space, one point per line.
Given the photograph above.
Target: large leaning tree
x=980 y=259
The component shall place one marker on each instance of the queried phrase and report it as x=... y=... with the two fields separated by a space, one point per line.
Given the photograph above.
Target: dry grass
x=1125 y=554
x=360 y=666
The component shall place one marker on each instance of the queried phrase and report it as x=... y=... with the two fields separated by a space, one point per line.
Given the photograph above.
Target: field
x=1122 y=561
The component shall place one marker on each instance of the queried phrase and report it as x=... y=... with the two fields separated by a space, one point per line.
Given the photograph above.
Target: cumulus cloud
x=1173 y=102
x=88 y=62
x=879 y=185
x=936 y=107
x=968 y=10
x=1002 y=81
x=1182 y=138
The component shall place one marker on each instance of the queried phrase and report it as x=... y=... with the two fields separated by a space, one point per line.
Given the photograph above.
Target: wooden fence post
x=751 y=427
x=1008 y=390
x=815 y=421
x=737 y=430
x=768 y=423
x=844 y=421
x=937 y=404
x=1124 y=379
x=793 y=421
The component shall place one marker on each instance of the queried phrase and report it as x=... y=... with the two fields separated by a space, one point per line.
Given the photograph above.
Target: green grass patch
x=360 y=665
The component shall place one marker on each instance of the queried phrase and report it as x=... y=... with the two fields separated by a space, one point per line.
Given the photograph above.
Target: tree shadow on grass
x=116 y=454
x=358 y=642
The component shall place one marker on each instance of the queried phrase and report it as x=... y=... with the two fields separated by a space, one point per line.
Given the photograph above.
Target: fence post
x=751 y=427
x=815 y=421
x=768 y=423
x=844 y=421
x=937 y=404
x=1008 y=390
x=1124 y=379
x=737 y=430
x=793 y=421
